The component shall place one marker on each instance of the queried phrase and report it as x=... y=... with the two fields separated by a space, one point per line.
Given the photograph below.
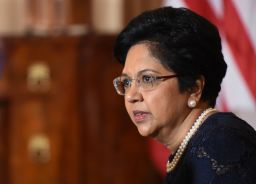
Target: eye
x=148 y=78
x=126 y=82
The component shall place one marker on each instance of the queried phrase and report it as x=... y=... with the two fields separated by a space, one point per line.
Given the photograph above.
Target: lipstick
x=140 y=115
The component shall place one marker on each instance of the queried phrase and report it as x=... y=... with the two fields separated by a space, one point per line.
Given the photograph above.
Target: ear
x=196 y=92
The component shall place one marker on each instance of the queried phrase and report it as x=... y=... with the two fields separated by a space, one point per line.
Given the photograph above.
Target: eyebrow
x=142 y=71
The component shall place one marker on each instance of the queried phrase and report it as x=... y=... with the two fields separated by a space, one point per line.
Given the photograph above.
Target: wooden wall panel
x=133 y=8
x=80 y=12
x=3 y=140
x=52 y=112
x=92 y=139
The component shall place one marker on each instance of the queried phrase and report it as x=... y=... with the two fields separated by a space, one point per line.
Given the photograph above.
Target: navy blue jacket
x=223 y=151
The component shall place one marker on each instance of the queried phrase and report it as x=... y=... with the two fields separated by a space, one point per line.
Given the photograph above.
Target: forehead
x=139 y=58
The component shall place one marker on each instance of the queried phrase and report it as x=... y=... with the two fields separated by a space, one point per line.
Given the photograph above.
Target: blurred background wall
x=61 y=121
x=60 y=118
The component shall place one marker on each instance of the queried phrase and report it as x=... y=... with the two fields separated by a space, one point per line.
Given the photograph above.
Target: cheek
x=166 y=105
x=159 y=105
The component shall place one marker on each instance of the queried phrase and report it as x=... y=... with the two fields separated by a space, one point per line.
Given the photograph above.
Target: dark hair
x=183 y=41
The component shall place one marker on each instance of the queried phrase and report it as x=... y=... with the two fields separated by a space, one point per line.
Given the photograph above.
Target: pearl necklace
x=171 y=165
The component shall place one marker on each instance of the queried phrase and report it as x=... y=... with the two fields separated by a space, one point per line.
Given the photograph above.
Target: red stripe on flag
x=240 y=45
x=203 y=8
x=159 y=154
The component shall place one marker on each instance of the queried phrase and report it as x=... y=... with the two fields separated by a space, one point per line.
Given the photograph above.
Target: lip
x=140 y=116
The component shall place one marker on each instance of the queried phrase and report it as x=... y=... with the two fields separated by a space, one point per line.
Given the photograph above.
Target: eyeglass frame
x=156 y=78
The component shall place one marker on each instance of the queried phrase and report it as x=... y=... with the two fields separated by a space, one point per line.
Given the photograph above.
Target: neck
x=178 y=134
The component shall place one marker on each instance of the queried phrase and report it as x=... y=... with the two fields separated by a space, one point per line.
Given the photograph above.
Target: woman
x=173 y=69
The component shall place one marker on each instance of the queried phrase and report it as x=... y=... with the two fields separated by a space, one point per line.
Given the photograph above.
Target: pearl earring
x=191 y=103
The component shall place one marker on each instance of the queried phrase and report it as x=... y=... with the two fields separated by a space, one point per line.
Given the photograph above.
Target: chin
x=145 y=132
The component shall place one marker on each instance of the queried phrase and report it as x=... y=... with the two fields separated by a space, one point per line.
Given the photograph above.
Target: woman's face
x=155 y=112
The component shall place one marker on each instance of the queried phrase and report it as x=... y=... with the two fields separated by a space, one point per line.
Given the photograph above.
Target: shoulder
x=225 y=130
x=224 y=149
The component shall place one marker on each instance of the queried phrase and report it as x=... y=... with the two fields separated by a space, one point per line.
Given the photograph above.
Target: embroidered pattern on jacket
x=216 y=166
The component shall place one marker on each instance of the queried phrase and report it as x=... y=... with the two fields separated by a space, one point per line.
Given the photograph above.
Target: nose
x=133 y=94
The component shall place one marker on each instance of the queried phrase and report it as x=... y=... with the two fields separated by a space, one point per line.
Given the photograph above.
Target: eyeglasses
x=146 y=82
